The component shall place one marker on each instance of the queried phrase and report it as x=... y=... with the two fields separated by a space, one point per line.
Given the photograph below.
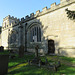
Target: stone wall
x=58 y=27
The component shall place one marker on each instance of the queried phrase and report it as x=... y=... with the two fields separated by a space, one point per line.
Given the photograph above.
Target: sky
x=21 y=8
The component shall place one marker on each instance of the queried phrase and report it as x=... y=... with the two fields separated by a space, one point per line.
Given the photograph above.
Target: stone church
x=50 y=29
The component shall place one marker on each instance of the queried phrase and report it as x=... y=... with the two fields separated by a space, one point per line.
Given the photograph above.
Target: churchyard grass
x=33 y=70
x=17 y=60
x=4 y=52
x=26 y=69
x=67 y=59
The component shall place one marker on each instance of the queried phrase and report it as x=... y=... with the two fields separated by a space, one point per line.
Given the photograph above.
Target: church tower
x=7 y=26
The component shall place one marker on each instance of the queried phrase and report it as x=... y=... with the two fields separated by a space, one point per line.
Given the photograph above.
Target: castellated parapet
x=7 y=17
x=37 y=12
x=46 y=10
x=53 y=5
x=32 y=15
x=10 y=17
x=22 y=19
x=9 y=21
x=62 y=1
x=27 y=17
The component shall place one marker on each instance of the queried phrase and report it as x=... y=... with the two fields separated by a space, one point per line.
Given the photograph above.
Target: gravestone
x=36 y=51
x=4 y=59
x=21 y=51
x=36 y=59
x=1 y=48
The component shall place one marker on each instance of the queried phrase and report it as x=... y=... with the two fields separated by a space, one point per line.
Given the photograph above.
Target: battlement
x=27 y=17
x=54 y=7
x=7 y=17
x=10 y=17
x=46 y=10
x=9 y=21
x=32 y=15
x=62 y=1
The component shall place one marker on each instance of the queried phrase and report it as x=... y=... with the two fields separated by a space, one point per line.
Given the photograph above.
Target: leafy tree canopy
x=70 y=14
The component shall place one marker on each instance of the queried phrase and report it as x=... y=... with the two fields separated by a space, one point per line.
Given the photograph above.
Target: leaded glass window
x=35 y=34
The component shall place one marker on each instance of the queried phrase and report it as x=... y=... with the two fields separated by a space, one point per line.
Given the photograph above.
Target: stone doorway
x=51 y=46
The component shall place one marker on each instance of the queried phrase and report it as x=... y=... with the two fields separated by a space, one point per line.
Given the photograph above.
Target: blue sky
x=21 y=8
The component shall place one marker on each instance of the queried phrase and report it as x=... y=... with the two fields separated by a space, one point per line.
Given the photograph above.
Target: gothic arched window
x=35 y=34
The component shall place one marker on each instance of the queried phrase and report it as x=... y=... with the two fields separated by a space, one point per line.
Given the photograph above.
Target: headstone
x=1 y=48
x=21 y=51
x=36 y=51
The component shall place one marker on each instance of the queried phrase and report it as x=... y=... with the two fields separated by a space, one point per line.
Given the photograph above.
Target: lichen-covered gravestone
x=36 y=51
x=21 y=51
x=36 y=59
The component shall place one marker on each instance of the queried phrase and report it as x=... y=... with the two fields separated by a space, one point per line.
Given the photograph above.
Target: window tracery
x=35 y=34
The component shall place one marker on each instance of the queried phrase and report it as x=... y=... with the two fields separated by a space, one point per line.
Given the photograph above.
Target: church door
x=51 y=46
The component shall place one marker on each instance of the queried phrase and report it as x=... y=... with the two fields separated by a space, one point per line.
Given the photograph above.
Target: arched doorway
x=51 y=46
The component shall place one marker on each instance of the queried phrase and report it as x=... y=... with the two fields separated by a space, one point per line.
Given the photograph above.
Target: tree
x=70 y=14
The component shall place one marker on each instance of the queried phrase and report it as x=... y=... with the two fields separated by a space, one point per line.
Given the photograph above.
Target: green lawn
x=68 y=59
x=34 y=70
x=17 y=60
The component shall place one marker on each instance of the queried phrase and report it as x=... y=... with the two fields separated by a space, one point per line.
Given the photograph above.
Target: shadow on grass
x=17 y=60
x=33 y=70
x=68 y=59
x=30 y=70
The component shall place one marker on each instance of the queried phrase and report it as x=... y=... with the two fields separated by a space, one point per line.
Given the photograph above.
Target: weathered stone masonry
x=50 y=29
